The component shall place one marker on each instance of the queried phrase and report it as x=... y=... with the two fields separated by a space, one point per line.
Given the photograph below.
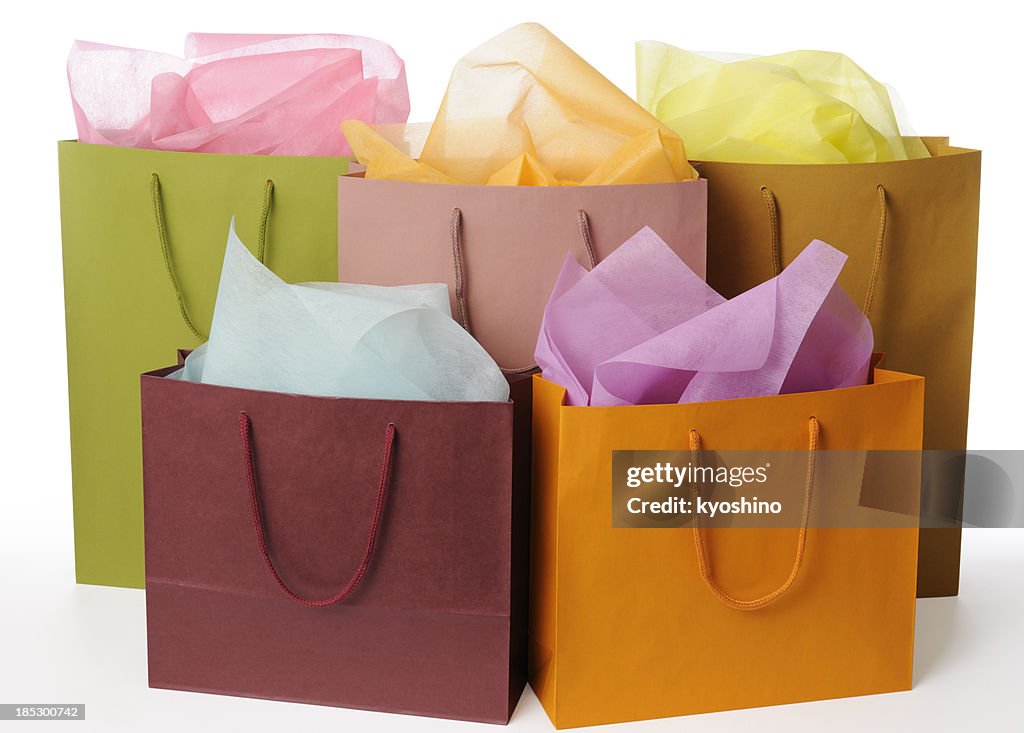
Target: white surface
x=957 y=69
x=72 y=644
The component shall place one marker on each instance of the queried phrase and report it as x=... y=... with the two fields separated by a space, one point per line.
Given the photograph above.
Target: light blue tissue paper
x=338 y=339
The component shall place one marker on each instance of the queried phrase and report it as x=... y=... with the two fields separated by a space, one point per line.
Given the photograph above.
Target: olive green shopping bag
x=143 y=237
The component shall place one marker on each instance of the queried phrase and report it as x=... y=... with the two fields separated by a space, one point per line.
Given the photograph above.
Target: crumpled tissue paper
x=338 y=340
x=643 y=328
x=524 y=110
x=236 y=93
x=797 y=107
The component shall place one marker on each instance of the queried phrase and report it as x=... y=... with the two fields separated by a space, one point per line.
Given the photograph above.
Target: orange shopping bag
x=630 y=623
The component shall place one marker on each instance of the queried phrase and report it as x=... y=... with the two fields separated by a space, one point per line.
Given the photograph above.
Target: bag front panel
x=393 y=660
x=639 y=635
x=444 y=542
x=513 y=242
x=923 y=309
x=122 y=314
x=429 y=629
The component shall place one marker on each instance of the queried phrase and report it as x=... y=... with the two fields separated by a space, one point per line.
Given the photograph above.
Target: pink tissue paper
x=237 y=93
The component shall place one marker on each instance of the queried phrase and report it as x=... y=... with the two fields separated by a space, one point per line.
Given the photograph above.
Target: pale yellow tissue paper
x=524 y=110
x=797 y=107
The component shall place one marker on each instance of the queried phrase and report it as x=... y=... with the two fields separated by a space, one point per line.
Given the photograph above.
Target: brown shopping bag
x=350 y=552
x=636 y=623
x=910 y=229
x=500 y=248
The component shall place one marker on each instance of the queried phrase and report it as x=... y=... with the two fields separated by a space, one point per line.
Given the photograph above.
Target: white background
x=958 y=69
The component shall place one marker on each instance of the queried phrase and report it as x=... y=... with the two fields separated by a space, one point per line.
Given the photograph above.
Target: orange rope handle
x=704 y=562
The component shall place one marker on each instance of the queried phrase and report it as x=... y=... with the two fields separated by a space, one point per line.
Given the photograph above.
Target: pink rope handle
x=245 y=428
x=461 y=302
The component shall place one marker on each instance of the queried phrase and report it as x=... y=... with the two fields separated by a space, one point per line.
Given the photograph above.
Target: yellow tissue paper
x=797 y=107
x=524 y=110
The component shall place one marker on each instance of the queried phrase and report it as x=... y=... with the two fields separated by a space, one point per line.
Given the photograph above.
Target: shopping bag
x=500 y=248
x=352 y=552
x=910 y=228
x=143 y=237
x=637 y=623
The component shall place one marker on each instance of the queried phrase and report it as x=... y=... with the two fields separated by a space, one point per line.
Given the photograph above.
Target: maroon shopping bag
x=350 y=552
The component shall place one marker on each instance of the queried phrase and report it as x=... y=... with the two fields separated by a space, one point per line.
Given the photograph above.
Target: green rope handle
x=165 y=247
x=261 y=237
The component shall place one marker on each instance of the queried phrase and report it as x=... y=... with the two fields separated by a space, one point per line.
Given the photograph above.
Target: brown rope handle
x=461 y=304
x=165 y=246
x=245 y=428
x=876 y=266
x=773 y=228
x=704 y=563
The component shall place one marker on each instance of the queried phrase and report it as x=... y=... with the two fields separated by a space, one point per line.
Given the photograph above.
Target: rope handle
x=876 y=266
x=245 y=428
x=261 y=233
x=703 y=561
x=165 y=246
x=461 y=304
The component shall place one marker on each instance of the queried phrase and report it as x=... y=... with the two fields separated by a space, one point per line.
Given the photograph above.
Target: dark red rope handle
x=245 y=427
